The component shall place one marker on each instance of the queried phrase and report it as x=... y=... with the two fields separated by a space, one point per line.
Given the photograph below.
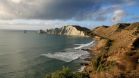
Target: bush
x=100 y=63
x=67 y=73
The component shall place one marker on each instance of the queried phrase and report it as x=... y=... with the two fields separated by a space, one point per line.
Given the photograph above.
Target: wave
x=84 y=45
x=66 y=56
x=81 y=69
x=70 y=54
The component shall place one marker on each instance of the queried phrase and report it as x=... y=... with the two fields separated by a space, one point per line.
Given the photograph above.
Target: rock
x=85 y=63
x=86 y=50
x=87 y=59
x=41 y=31
x=72 y=30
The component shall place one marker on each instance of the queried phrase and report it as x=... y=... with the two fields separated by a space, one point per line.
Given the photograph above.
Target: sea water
x=33 y=55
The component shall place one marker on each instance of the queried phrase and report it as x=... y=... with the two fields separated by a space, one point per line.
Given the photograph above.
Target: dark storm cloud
x=76 y=9
x=67 y=9
x=59 y=9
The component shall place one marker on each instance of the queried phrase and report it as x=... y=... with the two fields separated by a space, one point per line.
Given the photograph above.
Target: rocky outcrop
x=116 y=52
x=41 y=31
x=72 y=30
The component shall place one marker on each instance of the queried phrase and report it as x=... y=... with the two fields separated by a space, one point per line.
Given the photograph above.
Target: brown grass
x=117 y=52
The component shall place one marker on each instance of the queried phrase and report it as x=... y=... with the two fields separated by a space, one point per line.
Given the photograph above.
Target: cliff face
x=116 y=52
x=69 y=30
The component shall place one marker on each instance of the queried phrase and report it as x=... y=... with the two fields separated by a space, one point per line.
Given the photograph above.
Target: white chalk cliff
x=72 y=30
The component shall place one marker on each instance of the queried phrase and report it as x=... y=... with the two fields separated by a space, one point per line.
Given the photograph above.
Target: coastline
x=87 y=59
x=115 y=53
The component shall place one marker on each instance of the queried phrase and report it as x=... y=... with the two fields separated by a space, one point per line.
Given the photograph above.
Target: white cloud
x=35 y=24
x=118 y=15
x=56 y=9
x=16 y=1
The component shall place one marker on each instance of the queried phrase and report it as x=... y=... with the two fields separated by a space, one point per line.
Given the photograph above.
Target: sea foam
x=66 y=56
x=84 y=45
x=69 y=54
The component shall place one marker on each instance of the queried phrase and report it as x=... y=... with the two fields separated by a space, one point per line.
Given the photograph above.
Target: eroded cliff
x=72 y=30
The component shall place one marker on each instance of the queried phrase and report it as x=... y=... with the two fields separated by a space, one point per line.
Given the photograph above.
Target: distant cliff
x=72 y=30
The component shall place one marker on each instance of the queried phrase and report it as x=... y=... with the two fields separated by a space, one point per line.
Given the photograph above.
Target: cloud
x=16 y=1
x=24 y=24
x=135 y=17
x=59 y=9
x=118 y=15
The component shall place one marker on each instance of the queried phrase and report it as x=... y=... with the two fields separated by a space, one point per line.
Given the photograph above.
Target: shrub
x=67 y=73
x=100 y=63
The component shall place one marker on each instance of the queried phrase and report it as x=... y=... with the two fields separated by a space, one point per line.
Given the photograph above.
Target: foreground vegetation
x=67 y=73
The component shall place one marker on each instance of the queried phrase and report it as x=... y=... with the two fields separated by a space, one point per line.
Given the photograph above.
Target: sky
x=44 y=14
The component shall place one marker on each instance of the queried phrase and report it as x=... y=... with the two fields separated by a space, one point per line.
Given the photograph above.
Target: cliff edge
x=72 y=30
x=116 y=52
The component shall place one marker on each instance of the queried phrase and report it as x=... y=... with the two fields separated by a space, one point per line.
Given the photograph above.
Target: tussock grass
x=100 y=63
x=67 y=73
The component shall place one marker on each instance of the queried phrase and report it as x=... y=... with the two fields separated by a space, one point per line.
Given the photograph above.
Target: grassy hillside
x=116 y=54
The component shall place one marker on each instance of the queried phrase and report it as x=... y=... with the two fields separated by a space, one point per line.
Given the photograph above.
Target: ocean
x=33 y=55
